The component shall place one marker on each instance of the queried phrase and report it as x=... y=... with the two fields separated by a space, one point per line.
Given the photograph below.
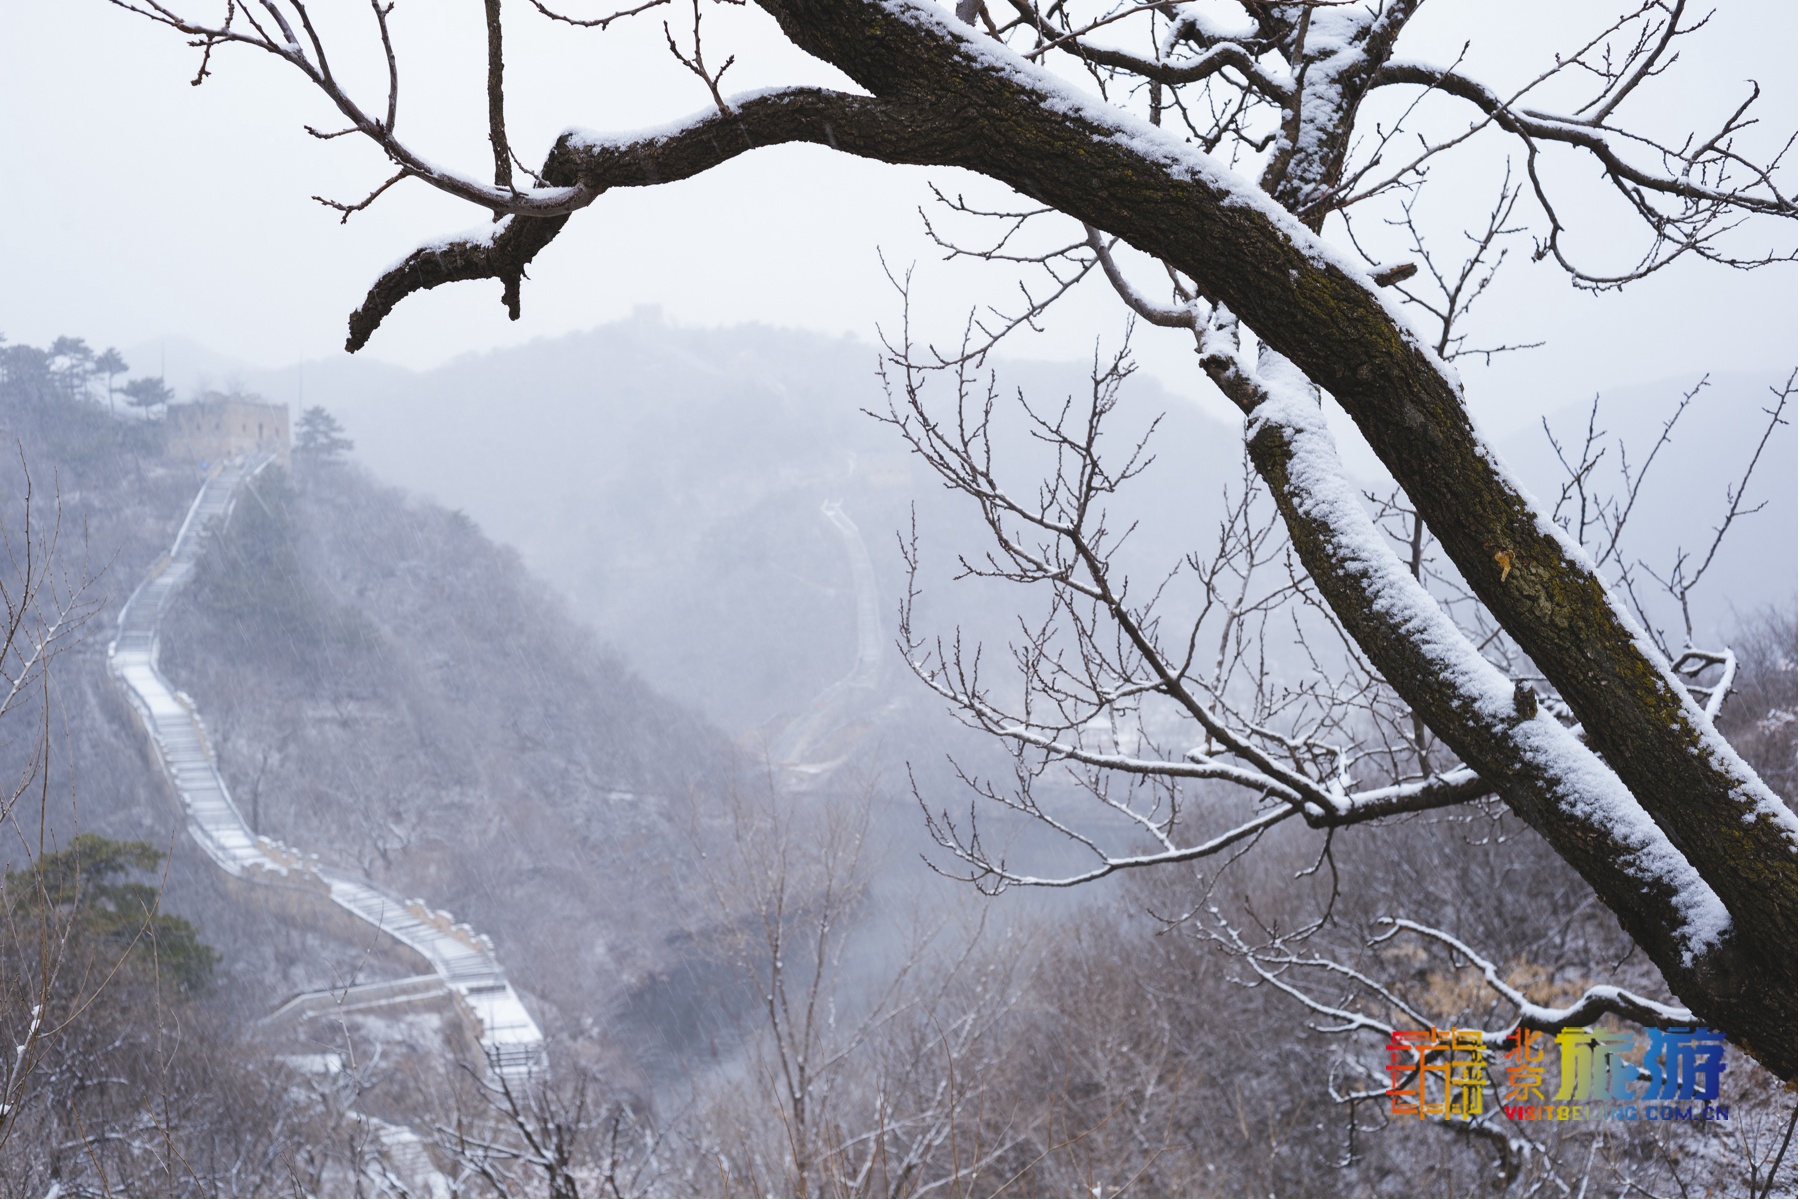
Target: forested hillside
x=384 y=688
x=399 y=695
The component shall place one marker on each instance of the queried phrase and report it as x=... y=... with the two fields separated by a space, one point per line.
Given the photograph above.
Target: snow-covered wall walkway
x=463 y=960
x=795 y=747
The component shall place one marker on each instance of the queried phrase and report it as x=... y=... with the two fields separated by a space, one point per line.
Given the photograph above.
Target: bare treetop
x=1281 y=84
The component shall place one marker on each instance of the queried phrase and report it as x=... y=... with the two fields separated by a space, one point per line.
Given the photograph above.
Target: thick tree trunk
x=1543 y=773
x=1018 y=125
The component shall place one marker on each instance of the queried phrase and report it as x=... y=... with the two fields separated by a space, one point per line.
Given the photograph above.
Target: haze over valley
x=585 y=656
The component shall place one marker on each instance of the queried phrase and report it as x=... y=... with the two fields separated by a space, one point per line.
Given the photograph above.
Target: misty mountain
x=668 y=482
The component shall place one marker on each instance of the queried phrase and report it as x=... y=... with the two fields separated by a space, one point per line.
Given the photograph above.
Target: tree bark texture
x=1526 y=755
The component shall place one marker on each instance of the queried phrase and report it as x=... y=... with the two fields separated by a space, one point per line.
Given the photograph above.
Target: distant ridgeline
x=218 y=426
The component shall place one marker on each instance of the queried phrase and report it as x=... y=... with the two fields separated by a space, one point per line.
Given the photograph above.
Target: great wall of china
x=463 y=964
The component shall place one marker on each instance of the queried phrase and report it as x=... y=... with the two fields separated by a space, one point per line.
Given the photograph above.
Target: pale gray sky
x=140 y=207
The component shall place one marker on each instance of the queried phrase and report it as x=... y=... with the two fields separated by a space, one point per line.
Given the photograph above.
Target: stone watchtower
x=219 y=426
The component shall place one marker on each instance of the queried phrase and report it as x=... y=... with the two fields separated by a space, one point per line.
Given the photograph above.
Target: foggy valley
x=593 y=647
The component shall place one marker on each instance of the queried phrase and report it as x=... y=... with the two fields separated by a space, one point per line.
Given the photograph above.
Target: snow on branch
x=594 y=163
x=1107 y=689
x=1594 y=1003
x=1361 y=989
x=1712 y=184
x=1539 y=766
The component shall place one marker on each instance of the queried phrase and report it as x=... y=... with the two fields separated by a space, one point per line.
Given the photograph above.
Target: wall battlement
x=219 y=426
